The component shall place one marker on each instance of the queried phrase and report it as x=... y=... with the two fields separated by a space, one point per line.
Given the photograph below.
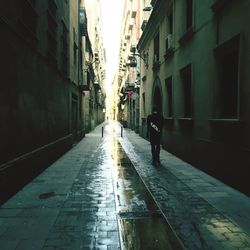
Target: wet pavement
x=141 y=223
x=93 y=198
x=204 y=212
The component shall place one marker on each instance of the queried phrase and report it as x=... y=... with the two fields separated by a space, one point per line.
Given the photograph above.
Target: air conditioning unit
x=169 y=41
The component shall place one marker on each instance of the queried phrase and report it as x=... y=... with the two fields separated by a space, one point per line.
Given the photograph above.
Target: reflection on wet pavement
x=92 y=198
x=141 y=224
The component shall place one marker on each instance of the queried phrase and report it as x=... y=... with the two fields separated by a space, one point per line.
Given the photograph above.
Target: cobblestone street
x=85 y=200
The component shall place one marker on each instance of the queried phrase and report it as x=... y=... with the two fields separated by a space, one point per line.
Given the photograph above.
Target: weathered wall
x=219 y=147
x=35 y=98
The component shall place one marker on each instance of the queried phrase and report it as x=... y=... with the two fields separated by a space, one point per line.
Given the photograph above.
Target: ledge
x=39 y=151
x=187 y=36
x=226 y=122
x=169 y=122
x=170 y=118
x=186 y=120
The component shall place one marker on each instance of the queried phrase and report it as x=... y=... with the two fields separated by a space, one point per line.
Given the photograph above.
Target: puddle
x=141 y=224
x=147 y=233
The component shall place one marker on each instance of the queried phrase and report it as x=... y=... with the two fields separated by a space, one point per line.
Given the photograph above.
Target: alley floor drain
x=139 y=214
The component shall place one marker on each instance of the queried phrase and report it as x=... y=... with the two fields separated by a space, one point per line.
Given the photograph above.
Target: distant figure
x=154 y=130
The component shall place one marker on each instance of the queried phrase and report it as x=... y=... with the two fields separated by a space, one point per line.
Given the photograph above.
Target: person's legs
x=153 y=152
x=157 y=153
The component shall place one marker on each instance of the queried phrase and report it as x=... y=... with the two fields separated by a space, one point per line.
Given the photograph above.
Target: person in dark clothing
x=154 y=129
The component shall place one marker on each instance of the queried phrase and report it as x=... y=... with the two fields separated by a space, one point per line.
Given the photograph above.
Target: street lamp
x=132 y=62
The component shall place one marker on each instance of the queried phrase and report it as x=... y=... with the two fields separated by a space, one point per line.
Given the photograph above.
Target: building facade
x=41 y=104
x=128 y=80
x=198 y=55
x=76 y=104
x=95 y=63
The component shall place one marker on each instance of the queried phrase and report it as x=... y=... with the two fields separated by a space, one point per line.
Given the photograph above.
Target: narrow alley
x=105 y=194
x=124 y=125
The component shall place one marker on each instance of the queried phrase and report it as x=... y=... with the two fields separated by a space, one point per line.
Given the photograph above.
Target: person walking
x=154 y=130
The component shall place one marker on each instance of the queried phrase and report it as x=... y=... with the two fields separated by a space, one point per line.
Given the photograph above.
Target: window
x=156 y=48
x=75 y=49
x=143 y=104
x=229 y=84
x=74 y=46
x=156 y=59
x=169 y=88
x=186 y=76
x=188 y=23
x=170 y=21
x=29 y=19
x=227 y=56
x=189 y=14
x=64 y=49
x=169 y=39
x=52 y=31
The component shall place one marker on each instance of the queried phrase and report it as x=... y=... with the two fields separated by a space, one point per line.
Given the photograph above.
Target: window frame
x=169 y=88
x=188 y=99
x=224 y=49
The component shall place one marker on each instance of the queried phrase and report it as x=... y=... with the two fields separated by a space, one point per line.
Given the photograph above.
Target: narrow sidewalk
x=71 y=205
x=204 y=212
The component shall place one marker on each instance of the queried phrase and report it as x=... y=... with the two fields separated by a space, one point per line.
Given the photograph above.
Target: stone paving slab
x=205 y=213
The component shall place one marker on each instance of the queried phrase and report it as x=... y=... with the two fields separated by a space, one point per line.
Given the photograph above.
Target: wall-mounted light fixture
x=133 y=61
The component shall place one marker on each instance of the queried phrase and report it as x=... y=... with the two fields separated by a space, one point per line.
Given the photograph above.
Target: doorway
x=157 y=99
